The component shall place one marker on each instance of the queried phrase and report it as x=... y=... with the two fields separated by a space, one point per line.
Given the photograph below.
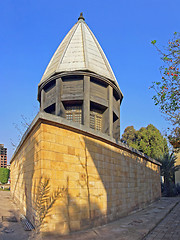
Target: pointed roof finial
x=81 y=16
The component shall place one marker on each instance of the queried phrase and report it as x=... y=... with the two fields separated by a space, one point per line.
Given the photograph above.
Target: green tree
x=147 y=140
x=167 y=90
x=168 y=170
x=130 y=137
x=4 y=175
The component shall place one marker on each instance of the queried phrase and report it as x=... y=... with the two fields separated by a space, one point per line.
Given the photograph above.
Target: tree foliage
x=147 y=140
x=130 y=136
x=167 y=90
x=168 y=169
x=174 y=139
x=4 y=175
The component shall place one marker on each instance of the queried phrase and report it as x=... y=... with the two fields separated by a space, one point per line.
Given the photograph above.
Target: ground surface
x=168 y=228
x=10 y=230
x=160 y=220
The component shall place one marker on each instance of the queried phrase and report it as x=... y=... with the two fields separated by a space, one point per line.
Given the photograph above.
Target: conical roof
x=79 y=50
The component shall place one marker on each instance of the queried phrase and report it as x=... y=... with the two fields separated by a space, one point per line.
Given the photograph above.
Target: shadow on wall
x=87 y=182
x=111 y=183
x=130 y=182
x=70 y=214
x=44 y=201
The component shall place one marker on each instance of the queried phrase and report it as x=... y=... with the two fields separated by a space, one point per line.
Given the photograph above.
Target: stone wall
x=86 y=179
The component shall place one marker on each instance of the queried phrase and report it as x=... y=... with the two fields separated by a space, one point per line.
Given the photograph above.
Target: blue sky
x=31 y=31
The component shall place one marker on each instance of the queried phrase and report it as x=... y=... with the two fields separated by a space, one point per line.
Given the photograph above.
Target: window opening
x=96 y=120
x=74 y=113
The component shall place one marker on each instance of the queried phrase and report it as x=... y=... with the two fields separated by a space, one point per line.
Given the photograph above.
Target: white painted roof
x=79 y=50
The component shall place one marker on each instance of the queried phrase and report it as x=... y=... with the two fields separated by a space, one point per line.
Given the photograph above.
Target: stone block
x=49 y=137
x=71 y=150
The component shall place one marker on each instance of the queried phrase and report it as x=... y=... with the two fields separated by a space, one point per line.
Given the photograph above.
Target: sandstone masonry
x=99 y=179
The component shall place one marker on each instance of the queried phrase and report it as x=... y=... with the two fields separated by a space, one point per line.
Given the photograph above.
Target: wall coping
x=76 y=127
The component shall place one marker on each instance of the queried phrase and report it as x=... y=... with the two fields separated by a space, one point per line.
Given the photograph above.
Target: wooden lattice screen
x=74 y=113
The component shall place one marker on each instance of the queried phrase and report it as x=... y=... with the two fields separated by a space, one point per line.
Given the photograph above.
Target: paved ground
x=160 y=220
x=10 y=230
x=168 y=228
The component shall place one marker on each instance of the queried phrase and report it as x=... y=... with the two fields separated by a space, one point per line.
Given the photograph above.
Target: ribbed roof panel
x=79 y=50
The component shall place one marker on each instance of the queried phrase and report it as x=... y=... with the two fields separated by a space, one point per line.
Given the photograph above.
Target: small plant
x=168 y=169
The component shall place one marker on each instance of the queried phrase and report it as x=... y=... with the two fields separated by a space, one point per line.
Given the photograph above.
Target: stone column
x=42 y=99
x=110 y=91
x=86 y=102
x=119 y=116
x=58 y=96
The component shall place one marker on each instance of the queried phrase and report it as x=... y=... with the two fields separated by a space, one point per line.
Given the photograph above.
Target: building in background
x=176 y=146
x=3 y=156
